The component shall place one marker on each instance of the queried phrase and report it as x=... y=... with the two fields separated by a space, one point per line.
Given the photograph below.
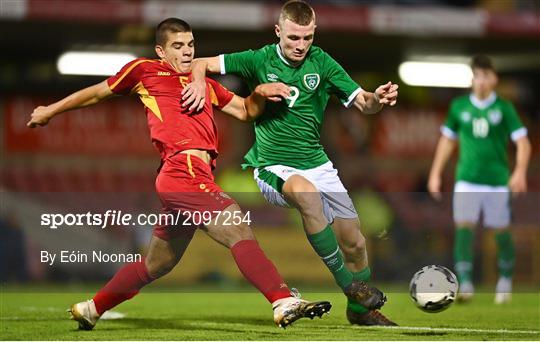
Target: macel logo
x=224 y=195
x=163 y=73
x=466 y=116
x=272 y=77
x=312 y=81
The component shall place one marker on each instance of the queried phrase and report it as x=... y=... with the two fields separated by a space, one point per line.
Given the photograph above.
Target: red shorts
x=185 y=183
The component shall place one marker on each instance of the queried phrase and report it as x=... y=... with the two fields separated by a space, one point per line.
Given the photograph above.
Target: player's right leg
x=467 y=206
x=162 y=256
x=259 y=270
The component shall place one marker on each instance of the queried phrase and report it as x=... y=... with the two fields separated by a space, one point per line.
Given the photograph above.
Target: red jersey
x=172 y=128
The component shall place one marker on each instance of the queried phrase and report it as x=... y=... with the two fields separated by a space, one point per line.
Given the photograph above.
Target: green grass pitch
x=162 y=315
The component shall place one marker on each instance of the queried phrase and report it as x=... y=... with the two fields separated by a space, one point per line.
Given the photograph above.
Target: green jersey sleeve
x=450 y=127
x=239 y=63
x=339 y=82
x=513 y=123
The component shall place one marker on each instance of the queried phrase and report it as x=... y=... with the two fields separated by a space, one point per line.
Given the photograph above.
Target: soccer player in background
x=187 y=143
x=290 y=165
x=482 y=122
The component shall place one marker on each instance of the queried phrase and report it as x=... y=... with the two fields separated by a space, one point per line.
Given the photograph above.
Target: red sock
x=125 y=284
x=260 y=271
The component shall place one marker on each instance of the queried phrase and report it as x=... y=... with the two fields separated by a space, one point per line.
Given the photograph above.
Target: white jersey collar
x=483 y=104
x=284 y=59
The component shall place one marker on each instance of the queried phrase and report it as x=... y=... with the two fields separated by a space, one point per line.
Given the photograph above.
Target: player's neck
x=483 y=102
x=172 y=66
x=285 y=59
x=483 y=96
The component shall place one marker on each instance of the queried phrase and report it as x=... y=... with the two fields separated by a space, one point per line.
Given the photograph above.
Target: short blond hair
x=297 y=11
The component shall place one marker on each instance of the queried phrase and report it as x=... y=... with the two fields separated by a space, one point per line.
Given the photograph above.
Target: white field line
x=472 y=330
x=117 y=315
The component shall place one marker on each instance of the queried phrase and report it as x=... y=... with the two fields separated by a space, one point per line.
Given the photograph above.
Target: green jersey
x=288 y=132
x=483 y=129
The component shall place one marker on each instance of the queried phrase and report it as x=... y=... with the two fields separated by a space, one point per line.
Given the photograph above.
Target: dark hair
x=297 y=11
x=482 y=62
x=173 y=25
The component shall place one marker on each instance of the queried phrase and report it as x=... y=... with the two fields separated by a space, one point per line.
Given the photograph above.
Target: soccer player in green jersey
x=482 y=122
x=290 y=165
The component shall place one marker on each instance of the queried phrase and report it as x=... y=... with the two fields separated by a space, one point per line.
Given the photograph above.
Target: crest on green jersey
x=494 y=116
x=312 y=81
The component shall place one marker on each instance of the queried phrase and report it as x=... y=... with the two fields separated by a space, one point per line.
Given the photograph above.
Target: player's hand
x=518 y=183
x=434 y=187
x=275 y=91
x=387 y=93
x=193 y=95
x=39 y=117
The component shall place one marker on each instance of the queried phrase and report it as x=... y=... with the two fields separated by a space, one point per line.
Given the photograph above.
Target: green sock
x=364 y=275
x=506 y=253
x=463 y=253
x=326 y=246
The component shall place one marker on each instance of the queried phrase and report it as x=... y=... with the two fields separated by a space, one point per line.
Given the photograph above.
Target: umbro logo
x=163 y=73
x=272 y=77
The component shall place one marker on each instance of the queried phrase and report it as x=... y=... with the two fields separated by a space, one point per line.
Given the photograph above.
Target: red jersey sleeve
x=219 y=95
x=128 y=77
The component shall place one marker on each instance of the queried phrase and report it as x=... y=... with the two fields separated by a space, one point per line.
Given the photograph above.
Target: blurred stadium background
x=101 y=158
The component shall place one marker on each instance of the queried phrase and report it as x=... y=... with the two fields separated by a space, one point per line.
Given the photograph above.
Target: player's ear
x=159 y=51
x=277 y=30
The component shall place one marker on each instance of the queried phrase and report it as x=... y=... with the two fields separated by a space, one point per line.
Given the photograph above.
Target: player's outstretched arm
x=249 y=108
x=518 y=180
x=193 y=93
x=445 y=147
x=82 y=98
x=371 y=103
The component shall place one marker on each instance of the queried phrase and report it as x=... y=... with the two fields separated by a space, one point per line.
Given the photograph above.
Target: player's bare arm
x=518 y=180
x=371 y=103
x=445 y=147
x=82 y=98
x=248 y=109
x=193 y=94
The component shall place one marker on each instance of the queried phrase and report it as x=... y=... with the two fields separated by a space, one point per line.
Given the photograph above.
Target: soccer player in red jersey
x=187 y=142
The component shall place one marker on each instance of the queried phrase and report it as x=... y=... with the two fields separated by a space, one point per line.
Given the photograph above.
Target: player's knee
x=159 y=267
x=231 y=235
x=354 y=248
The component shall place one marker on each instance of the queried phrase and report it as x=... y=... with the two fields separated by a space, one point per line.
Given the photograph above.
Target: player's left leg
x=353 y=245
x=497 y=217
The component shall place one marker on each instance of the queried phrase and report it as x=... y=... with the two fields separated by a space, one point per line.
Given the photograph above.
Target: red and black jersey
x=172 y=128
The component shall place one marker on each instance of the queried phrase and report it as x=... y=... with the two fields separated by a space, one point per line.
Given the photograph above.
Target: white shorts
x=334 y=196
x=493 y=201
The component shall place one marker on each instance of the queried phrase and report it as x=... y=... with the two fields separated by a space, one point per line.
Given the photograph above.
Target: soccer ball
x=433 y=288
